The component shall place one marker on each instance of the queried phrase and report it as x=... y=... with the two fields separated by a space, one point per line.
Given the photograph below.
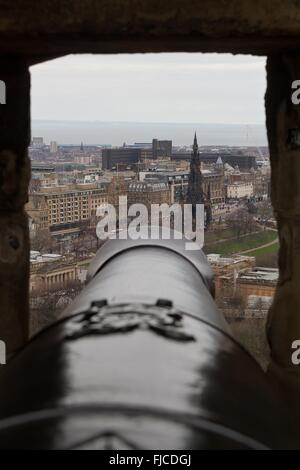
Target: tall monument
x=195 y=194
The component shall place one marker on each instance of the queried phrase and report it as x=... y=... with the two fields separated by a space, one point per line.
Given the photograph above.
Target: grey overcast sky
x=177 y=87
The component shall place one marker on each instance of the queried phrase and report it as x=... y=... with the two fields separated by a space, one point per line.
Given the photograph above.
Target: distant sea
x=116 y=133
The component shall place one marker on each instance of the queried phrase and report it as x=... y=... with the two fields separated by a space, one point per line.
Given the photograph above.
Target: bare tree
x=241 y=222
x=46 y=305
x=265 y=211
x=42 y=241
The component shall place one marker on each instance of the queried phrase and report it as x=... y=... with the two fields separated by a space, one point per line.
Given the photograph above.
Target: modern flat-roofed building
x=120 y=155
x=37 y=142
x=42 y=167
x=161 y=148
x=53 y=146
x=244 y=162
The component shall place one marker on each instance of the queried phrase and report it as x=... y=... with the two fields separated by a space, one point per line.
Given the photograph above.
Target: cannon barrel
x=142 y=359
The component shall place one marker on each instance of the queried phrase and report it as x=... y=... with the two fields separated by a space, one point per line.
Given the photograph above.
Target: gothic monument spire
x=195 y=184
x=195 y=192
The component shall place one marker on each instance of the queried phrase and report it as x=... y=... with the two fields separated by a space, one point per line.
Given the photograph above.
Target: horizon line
x=151 y=122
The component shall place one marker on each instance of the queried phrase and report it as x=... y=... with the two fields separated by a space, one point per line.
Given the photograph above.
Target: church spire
x=195 y=194
x=195 y=189
x=195 y=145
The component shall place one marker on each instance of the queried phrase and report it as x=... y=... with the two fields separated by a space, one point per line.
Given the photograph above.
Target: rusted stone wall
x=52 y=27
x=14 y=179
x=208 y=17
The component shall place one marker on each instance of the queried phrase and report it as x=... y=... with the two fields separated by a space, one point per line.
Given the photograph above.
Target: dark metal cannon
x=141 y=360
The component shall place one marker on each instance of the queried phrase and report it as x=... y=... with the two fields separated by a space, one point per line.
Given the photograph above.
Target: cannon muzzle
x=142 y=359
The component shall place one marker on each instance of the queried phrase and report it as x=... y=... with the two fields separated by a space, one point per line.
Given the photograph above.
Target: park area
x=255 y=244
x=246 y=233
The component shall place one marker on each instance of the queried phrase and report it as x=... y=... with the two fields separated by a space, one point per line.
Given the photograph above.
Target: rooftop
x=147 y=186
x=37 y=257
x=217 y=259
x=260 y=274
x=69 y=188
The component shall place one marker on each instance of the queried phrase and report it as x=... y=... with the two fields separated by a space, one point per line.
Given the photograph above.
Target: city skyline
x=118 y=133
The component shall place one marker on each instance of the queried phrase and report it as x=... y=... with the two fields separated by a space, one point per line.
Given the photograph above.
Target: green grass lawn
x=215 y=235
x=244 y=243
x=265 y=250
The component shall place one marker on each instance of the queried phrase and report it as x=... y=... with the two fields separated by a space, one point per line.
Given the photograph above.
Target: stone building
x=259 y=180
x=226 y=271
x=213 y=181
x=176 y=180
x=38 y=211
x=50 y=271
x=148 y=193
x=116 y=188
x=240 y=190
x=261 y=282
x=64 y=205
x=43 y=180
x=84 y=159
x=178 y=183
